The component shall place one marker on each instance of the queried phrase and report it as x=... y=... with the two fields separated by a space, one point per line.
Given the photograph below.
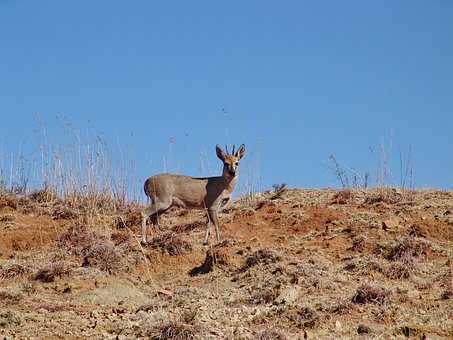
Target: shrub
x=271 y=334
x=104 y=257
x=171 y=243
x=77 y=238
x=52 y=271
x=174 y=331
x=406 y=249
x=368 y=293
x=12 y=271
x=262 y=256
x=342 y=197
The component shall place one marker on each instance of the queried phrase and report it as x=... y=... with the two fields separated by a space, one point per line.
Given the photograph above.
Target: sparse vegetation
x=174 y=331
x=13 y=271
x=52 y=271
x=261 y=256
x=271 y=334
x=103 y=256
x=370 y=293
x=301 y=264
x=170 y=243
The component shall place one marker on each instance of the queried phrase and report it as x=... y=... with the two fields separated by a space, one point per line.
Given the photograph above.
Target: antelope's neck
x=230 y=183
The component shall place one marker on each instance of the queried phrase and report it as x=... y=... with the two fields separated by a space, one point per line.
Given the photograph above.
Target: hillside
x=294 y=264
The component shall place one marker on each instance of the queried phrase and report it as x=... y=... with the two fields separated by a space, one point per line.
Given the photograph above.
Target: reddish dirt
x=303 y=263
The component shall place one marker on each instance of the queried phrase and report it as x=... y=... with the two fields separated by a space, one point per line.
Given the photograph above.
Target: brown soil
x=294 y=264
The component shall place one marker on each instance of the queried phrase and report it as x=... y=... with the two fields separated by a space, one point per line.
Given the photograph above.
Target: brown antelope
x=210 y=193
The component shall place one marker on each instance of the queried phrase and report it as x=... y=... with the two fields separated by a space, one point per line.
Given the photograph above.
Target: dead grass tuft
x=130 y=219
x=52 y=271
x=400 y=270
x=184 y=228
x=120 y=237
x=62 y=212
x=340 y=308
x=9 y=298
x=278 y=191
x=12 y=272
x=358 y=243
x=271 y=334
x=447 y=294
x=8 y=200
x=265 y=295
x=384 y=195
x=174 y=331
x=170 y=243
x=77 y=238
x=369 y=293
x=261 y=256
x=9 y=319
x=342 y=197
x=104 y=257
x=303 y=317
x=406 y=249
x=44 y=195
x=416 y=231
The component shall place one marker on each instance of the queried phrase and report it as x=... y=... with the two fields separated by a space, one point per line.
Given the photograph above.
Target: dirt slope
x=298 y=264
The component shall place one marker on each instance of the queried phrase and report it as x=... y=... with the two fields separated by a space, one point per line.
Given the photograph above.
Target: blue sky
x=295 y=81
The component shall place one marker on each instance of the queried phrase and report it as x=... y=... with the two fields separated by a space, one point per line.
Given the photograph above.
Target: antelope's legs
x=152 y=210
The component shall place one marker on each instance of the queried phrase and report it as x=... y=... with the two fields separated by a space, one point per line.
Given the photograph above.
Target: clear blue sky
x=295 y=81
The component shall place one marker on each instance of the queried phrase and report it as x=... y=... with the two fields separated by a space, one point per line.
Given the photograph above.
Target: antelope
x=209 y=193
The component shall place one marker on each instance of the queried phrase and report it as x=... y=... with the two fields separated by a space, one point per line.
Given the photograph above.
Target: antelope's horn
x=233 y=149
x=226 y=149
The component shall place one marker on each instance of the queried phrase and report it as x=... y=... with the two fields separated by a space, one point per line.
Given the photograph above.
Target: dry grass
x=103 y=256
x=62 y=212
x=358 y=243
x=407 y=248
x=271 y=334
x=13 y=271
x=417 y=231
x=174 y=331
x=280 y=277
x=188 y=227
x=342 y=197
x=265 y=295
x=129 y=219
x=370 y=293
x=9 y=298
x=44 y=195
x=261 y=256
x=9 y=319
x=52 y=271
x=120 y=238
x=171 y=244
x=384 y=195
x=8 y=200
x=400 y=270
x=77 y=238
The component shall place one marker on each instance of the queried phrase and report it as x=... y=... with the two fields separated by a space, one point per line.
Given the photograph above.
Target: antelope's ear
x=241 y=152
x=220 y=153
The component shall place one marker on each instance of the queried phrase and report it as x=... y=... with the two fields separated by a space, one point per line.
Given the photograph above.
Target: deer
x=208 y=193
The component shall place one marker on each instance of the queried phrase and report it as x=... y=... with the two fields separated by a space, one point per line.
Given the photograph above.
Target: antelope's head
x=230 y=160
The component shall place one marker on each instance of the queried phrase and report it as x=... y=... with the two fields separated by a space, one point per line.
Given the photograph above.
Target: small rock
x=390 y=224
x=363 y=329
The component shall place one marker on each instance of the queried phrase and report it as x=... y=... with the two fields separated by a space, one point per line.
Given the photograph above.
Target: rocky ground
x=294 y=264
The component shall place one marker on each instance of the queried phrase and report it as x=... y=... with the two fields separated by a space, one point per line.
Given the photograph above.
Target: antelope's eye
x=237 y=163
